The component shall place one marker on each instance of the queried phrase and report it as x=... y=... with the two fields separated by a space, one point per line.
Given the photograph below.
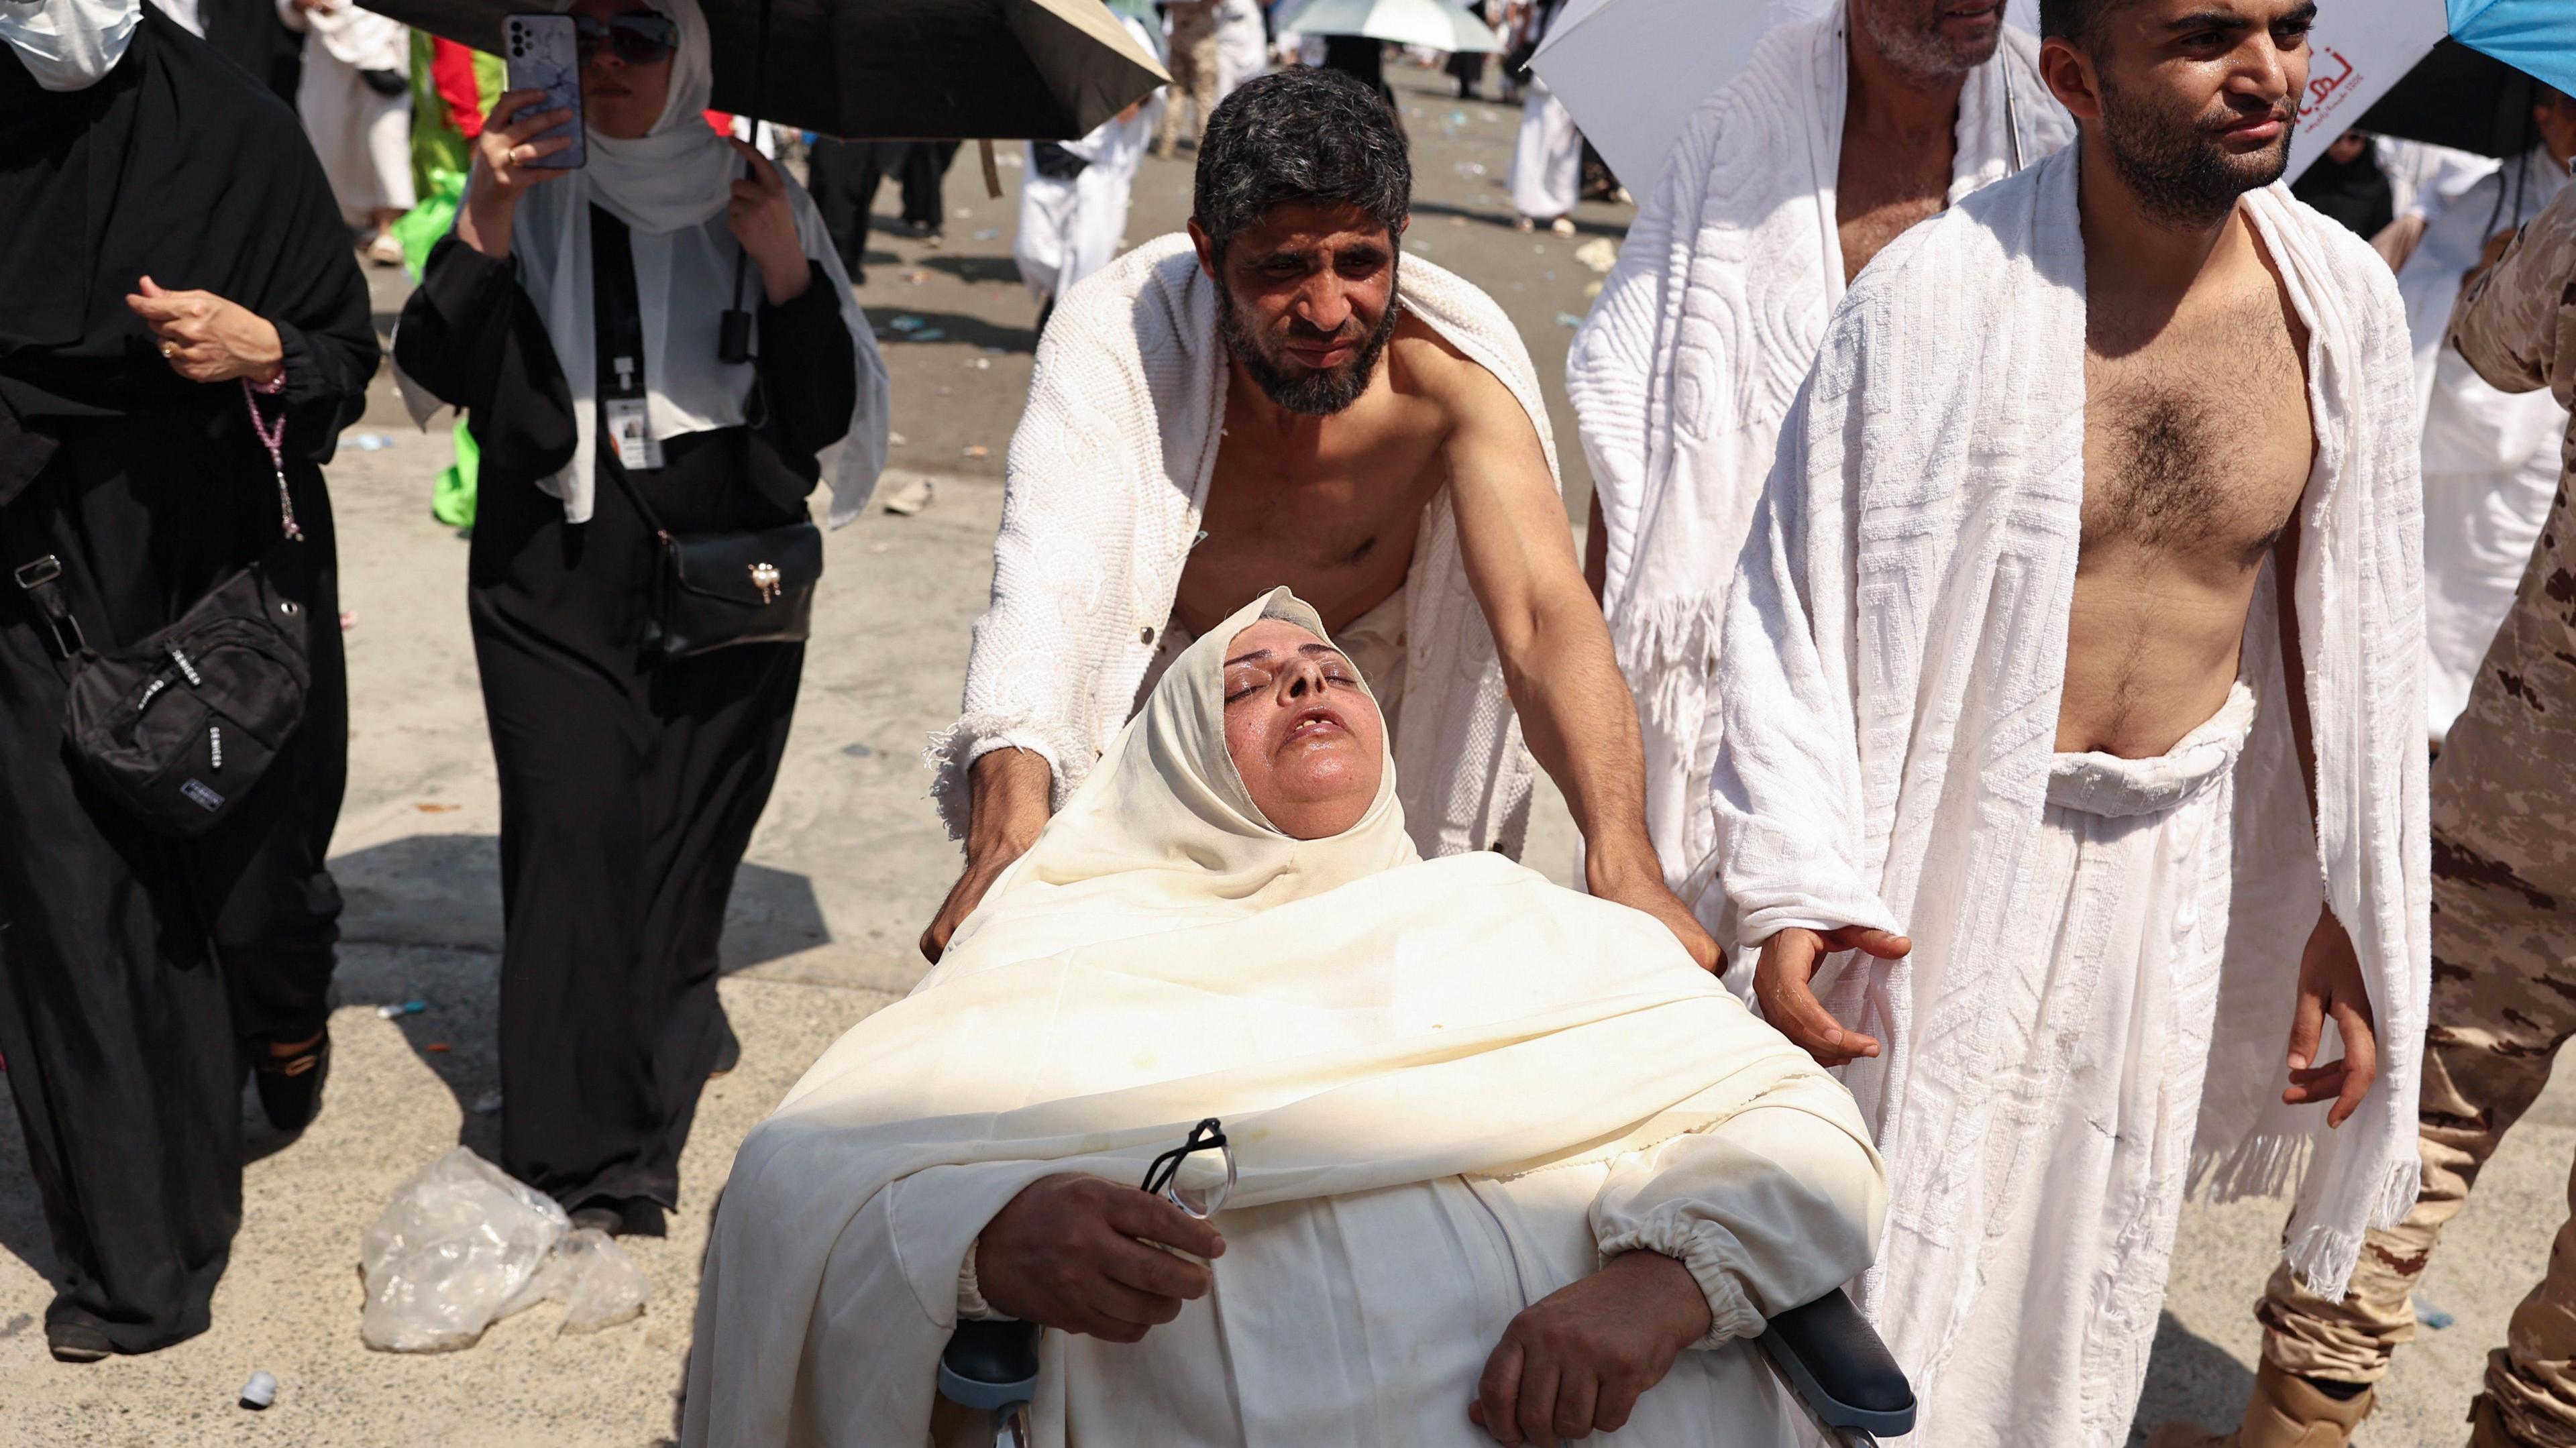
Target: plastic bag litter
x=462 y=1245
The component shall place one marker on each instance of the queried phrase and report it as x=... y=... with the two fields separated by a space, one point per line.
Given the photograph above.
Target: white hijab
x=1359 y=1018
x=670 y=187
x=69 y=45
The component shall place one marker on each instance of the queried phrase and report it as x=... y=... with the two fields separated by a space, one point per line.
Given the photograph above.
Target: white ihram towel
x=1107 y=479
x=1893 y=659
x=1690 y=358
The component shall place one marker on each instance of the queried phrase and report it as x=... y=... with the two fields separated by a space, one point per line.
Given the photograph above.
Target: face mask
x=69 y=45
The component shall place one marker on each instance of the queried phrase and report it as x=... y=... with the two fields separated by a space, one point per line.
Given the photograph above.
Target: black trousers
x=843 y=177
x=629 y=789
x=134 y=967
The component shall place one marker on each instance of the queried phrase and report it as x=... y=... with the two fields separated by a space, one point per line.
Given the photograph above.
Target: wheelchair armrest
x=990 y=1365
x=1834 y=1359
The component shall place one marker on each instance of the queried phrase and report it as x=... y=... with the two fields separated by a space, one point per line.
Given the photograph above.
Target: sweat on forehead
x=1300 y=136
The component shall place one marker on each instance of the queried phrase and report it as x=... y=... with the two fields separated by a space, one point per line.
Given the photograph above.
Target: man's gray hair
x=1301 y=136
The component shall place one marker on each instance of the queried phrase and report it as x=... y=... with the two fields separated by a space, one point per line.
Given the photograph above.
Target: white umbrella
x=1433 y=24
x=2359 y=49
x=1632 y=71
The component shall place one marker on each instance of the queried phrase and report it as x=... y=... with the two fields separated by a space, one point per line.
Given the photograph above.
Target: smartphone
x=544 y=56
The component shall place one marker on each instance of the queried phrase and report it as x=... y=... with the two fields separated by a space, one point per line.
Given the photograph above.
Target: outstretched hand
x=1782 y=985
x=1083 y=1254
x=2330 y=984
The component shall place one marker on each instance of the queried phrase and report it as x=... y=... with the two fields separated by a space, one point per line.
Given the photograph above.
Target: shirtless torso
x=1893 y=173
x=1330 y=506
x=1901 y=127
x=2197 y=447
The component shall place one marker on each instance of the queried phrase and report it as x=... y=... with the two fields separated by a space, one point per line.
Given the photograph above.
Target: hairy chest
x=2198 y=443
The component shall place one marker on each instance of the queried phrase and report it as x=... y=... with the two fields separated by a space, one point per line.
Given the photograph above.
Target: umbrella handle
x=733 y=332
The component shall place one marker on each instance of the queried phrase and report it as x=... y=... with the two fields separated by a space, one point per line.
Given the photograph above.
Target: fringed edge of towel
x=2323 y=1257
x=952 y=753
x=1668 y=650
x=2265 y=1165
x=2271 y=1164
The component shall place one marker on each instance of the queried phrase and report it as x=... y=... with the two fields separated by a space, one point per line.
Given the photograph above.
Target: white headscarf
x=69 y=45
x=670 y=187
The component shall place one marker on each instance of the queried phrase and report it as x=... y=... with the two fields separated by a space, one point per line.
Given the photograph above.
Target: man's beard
x=2181 y=173
x=1315 y=394
x=1907 y=33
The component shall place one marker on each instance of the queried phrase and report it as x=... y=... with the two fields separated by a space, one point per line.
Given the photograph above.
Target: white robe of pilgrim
x=1070 y=229
x=362 y=136
x=1688 y=362
x=2105 y=950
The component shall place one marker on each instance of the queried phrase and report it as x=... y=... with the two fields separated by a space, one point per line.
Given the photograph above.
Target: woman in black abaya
x=574 y=315
x=172 y=266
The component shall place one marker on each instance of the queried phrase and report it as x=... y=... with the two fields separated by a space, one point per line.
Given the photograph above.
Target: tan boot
x=2287 y=1412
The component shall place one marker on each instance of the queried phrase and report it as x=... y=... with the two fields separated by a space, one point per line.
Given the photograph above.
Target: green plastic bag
x=422 y=226
x=451 y=499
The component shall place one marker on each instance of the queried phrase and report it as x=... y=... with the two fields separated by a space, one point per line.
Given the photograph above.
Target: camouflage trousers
x=1193 y=70
x=2504 y=998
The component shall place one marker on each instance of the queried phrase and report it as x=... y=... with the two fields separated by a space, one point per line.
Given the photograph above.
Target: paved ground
x=843 y=873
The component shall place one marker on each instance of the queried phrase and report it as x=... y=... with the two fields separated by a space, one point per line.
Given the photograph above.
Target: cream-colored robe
x=1451 y=1088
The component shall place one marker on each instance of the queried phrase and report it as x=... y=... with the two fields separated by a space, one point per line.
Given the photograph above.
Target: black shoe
x=290 y=1087
x=622 y=1217
x=644 y=1217
x=77 y=1342
x=728 y=1055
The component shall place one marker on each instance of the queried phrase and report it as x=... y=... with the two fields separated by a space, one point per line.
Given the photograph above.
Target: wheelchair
x=1827 y=1354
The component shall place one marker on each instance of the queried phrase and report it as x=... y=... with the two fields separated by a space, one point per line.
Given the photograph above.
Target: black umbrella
x=2460 y=98
x=1046 y=70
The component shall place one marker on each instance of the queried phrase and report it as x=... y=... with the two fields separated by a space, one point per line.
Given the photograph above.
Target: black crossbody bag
x=709 y=590
x=715 y=590
x=178 y=727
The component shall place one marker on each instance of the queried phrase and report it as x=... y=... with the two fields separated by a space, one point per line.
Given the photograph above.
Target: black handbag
x=179 y=727
x=715 y=590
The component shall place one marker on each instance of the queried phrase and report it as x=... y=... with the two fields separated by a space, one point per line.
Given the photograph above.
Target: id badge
x=630 y=428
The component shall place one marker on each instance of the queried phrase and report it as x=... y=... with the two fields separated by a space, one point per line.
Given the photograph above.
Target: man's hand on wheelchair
x=1576 y=1362
x=1077 y=1253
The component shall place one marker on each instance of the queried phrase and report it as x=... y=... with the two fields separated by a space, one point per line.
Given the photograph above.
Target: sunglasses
x=1163 y=1177
x=635 y=39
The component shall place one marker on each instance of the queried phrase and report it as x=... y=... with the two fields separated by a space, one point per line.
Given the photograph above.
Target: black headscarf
x=2354 y=192
x=178 y=166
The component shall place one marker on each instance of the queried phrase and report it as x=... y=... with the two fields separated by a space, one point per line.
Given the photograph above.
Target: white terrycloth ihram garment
x=1107 y=479
x=1893 y=657
x=2490 y=457
x=2102 y=1043
x=1451 y=1087
x=1687 y=363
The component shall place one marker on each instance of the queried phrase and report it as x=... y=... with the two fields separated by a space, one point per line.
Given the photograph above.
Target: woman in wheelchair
x=1508 y=1167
